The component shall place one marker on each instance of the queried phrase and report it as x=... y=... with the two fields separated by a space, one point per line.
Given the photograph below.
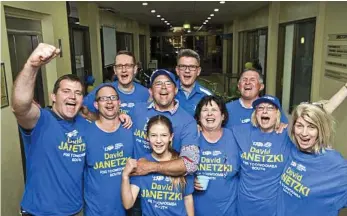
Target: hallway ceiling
x=180 y=12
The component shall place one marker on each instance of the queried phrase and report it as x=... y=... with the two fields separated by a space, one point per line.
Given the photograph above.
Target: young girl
x=160 y=195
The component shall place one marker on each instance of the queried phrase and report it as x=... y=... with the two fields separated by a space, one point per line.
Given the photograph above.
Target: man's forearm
x=170 y=168
x=23 y=90
x=186 y=164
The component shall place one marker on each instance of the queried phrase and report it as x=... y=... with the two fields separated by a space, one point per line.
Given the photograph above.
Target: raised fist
x=43 y=54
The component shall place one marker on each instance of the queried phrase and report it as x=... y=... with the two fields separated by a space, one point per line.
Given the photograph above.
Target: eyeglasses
x=262 y=108
x=190 y=67
x=126 y=66
x=159 y=84
x=108 y=98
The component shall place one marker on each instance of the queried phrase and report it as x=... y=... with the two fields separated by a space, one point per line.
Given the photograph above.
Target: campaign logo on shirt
x=161 y=193
x=113 y=161
x=141 y=136
x=246 y=120
x=259 y=156
x=291 y=180
x=74 y=146
x=126 y=107
x=214 y=164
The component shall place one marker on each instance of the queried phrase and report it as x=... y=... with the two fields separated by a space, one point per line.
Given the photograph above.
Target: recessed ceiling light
x=211 y=15
x=216 y=9
x=208 y=17
x=162 y=19
x=206 y=21
x=152 y=11
x=158 y=15
x=144 y=3
x=165 y=21
x=222 y=2
x=188 y=31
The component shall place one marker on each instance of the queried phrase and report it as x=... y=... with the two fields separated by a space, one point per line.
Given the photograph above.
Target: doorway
x=295 y=62
x=80 y=51
x=24 y=36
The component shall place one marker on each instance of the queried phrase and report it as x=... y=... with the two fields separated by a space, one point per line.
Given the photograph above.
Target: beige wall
x=53 y=28
x=335 y=23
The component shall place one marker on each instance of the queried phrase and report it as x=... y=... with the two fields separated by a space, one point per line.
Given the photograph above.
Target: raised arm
x=336 y=99
x=23 y=107
x=129 y=192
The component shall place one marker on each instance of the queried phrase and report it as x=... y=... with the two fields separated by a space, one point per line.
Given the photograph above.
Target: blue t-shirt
x=184 y=127
x=313 y=184
x=55 y=154
x=263 y=157
x=128 y=100
x=220 y=161
x=239 y=114
x=189 y=103
x=159 y=197
x=106 y=157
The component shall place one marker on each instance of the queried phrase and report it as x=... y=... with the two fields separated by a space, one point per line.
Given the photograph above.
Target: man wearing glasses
x=129 y=91
x=163 y=90
x=109 y=147
x=190 y=91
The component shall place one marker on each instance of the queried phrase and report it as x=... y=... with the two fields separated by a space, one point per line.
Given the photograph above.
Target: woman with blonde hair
x=160 y=195
x=314 y=181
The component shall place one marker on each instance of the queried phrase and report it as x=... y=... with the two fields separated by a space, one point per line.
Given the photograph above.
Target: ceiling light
x=152 y=11
x=158 y=15
x=216 y=9
x=144 y=3
x=222 y=2
x=162 y=19
x=211 y=15
x=208 y=17
x=188 y=31
x=165 y=21
x=206 y=21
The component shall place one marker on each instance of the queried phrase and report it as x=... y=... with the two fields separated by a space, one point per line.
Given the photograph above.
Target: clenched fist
x=43 y=54
x=129 y=167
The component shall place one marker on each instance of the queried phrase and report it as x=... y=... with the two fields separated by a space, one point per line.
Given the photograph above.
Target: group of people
x=127 y=147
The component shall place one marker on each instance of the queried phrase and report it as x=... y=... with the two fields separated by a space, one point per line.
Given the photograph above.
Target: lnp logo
x=293 y=163
x=216 y=153
x=301 y=167
x=206 y=153
x=259 y=144
x=267 y=144
x=243 y=121
x=72 y=133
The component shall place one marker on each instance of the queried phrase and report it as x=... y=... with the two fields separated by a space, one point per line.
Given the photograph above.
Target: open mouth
x=109 y=108
x=124 y=76
x=265 y=119
x=71 y=104
x=158 y=147
x=304 y=141
x=210 y=120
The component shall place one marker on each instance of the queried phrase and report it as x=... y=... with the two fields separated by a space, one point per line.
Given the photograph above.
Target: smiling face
x=188 y=70
x=124 y=69
x=67 y=101
x=163 y=92
x=107 y=103
x=306 y=134
x=211 y=117
x=249 y=85
x=159 y=137
x=267 y=116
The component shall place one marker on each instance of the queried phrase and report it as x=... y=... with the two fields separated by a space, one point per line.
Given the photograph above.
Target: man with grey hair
x=190 y=91
x=250 y=84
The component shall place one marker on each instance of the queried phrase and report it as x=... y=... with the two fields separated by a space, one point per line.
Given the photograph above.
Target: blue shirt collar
x=173 y=111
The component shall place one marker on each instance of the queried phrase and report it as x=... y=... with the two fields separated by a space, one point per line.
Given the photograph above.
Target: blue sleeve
x=341 y=201
x=135 y=180
x=190 y=134
x=189 y=188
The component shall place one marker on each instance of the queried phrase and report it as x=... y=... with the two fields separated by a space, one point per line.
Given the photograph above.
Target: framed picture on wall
x=4 y=94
